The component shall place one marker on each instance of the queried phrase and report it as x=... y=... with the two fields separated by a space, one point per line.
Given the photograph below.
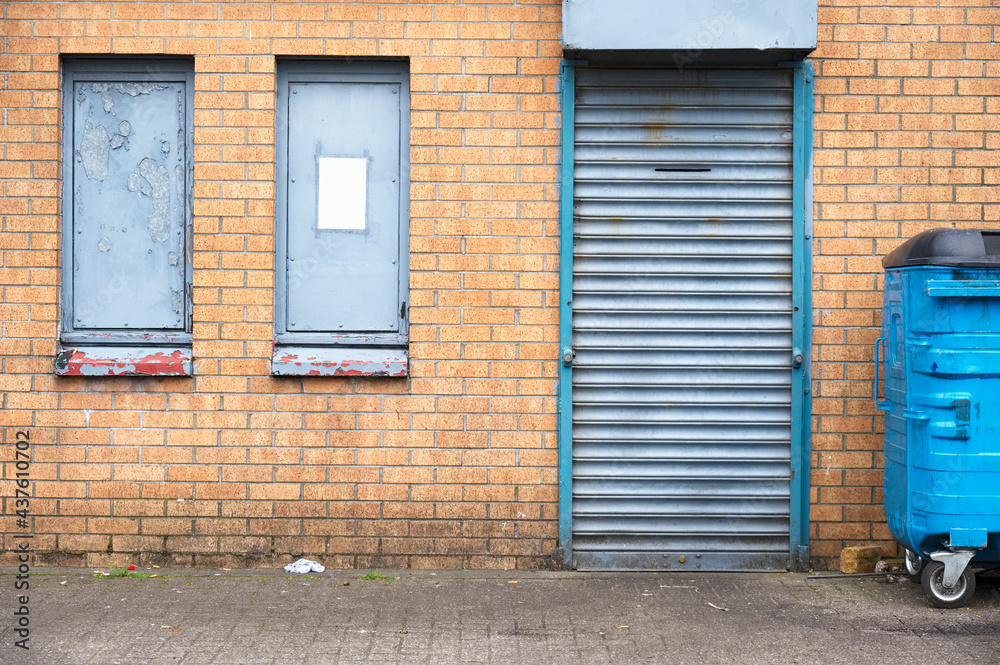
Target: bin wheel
x=913 y=564
x=932 y=579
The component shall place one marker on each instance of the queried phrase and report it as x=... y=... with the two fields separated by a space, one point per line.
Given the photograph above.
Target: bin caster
x=913 y=565
x=932 y=580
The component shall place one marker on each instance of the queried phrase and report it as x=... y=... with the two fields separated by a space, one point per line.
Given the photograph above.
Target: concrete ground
x=195 y=617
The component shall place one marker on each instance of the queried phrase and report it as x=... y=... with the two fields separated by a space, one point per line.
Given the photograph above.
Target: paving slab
x=221 y=617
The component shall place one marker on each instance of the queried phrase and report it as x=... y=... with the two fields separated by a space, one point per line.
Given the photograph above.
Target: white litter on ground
x=304 y=566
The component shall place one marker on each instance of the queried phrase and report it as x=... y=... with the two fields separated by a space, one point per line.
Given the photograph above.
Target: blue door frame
x=802 y=128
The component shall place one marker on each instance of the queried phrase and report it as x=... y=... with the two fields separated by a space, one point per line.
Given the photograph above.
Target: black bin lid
x=960 y=248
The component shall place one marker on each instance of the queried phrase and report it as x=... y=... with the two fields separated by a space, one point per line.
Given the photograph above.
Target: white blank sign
x=343 y=188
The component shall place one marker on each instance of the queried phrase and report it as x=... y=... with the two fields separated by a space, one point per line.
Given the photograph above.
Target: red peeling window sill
x=123 y=361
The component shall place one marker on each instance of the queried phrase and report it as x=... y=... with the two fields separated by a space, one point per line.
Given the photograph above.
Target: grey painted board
x=682 y=318
x=127 y=207
x=343 y=279
x=692 y=26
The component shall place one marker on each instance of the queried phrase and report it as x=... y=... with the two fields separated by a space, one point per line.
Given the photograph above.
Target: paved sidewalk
x=258 y=617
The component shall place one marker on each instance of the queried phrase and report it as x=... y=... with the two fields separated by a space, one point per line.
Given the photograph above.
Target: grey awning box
x=689 y=25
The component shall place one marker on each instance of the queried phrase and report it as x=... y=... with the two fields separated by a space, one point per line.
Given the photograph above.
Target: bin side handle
x=880 y=404
x=952 y=288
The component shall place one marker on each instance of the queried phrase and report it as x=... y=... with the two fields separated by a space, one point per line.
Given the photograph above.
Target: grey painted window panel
x=126 y=213
x=343 y=286
x=343 y=279
x=128 y=197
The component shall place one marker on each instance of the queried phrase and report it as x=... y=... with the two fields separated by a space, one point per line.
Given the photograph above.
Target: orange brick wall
x=451 y=467
x=906 y=138
x=454 y=466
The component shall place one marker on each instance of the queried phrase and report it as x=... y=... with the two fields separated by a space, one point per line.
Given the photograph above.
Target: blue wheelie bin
x=940 y=359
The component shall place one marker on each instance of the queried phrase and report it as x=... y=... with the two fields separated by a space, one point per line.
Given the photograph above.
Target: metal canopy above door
x=682 y=324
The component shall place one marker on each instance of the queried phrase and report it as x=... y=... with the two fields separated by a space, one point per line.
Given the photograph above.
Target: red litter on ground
x=131 y=567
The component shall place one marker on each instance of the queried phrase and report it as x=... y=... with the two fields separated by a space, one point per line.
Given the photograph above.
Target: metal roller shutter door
x=682 y=319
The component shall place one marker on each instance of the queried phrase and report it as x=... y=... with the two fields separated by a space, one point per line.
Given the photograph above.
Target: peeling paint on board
x=130 y=88
x=94 y=151
x=121 y=138
x=181 y=123
x=179 y=181
x=153 y=181
x=107 y=361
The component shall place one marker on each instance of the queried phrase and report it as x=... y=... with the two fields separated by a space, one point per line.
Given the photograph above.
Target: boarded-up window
x=126 y=212
x=343 y=144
